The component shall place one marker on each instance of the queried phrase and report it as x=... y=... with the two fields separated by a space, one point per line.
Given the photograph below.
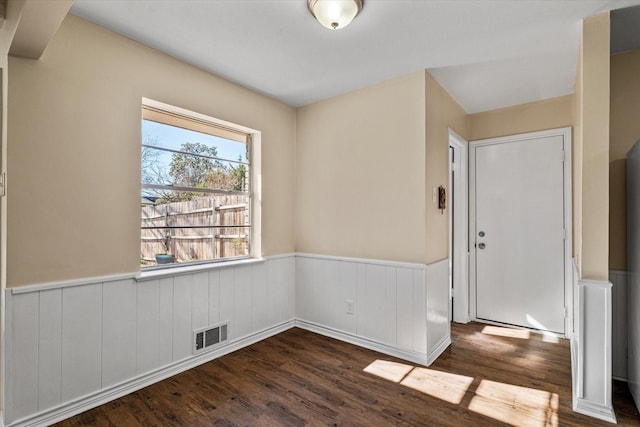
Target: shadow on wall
x=617 y=215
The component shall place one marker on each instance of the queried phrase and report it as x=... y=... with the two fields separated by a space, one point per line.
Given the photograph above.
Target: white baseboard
x=440 y=348
x=408 y=355
x=595 y=410
x=573 y=347
x=104 y=396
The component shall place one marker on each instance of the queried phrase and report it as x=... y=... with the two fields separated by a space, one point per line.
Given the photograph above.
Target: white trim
x=595 y=283
x=408 y=355
x=363 y=260
x=598 y=409
x=199 y=116
x=190 y=269
x=595 y=410
x=254 y=143
x=96 y=399
x=142 y=276
x=472 y=232
x=440 y=348
x=71 y=283
x=577 y=378
x=573 y=348
x=566 y=134
x=461 y=223
x=279 y=256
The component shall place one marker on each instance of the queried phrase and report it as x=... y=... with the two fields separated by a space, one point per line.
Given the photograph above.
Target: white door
x=520 y=233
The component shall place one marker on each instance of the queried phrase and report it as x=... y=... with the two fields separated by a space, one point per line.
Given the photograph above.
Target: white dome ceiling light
x=335 y=14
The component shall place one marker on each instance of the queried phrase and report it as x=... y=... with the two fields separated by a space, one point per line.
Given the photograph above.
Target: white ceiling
x=487 y=54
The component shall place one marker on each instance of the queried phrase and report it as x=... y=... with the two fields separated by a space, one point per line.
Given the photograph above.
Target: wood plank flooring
x=299 y=378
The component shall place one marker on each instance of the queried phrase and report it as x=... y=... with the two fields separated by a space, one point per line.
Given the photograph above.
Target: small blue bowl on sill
x=164 y=259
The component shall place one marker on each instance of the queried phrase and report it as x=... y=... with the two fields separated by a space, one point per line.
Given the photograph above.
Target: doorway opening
x=458 y=228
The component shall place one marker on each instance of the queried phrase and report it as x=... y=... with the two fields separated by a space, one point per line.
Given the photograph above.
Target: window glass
x=195 y=200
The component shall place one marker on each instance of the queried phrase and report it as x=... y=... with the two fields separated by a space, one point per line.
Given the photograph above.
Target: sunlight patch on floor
x=515 y=405
x=391 y=371
x=546 y=336
x=441 y=385
x=506 y=332
x=507 y=403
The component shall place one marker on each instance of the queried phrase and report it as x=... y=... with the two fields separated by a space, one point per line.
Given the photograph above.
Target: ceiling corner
x=38 y=24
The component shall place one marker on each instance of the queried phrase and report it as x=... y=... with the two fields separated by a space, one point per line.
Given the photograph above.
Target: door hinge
x=566 y=311
x=564 y=156
x=3 y=184
x=564 y=234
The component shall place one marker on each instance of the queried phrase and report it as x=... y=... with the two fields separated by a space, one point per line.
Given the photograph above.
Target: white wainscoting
x=399 y=309
x=591 y=349
x=619 y=323
x=438 y=298
x=72 y=348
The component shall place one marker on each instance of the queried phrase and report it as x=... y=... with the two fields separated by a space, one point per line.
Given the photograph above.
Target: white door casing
x=458 y=226
x=521 y=200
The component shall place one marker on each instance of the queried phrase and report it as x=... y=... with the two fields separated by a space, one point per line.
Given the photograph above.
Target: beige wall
x=360 y=173
x=13 y=13
x=74 y=151
x=623 y=133
x=535 y=116
x=367 y=162
x=442 y=113
x=594 y=123
x=576 y=159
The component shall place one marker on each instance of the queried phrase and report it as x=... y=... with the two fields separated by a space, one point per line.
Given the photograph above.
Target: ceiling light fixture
x=335 y=14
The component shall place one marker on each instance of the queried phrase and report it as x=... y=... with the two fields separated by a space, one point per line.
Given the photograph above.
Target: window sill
x=190 y=269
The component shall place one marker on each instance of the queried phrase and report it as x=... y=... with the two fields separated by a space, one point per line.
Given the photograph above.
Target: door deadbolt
x=481 y=245
x=481 y=234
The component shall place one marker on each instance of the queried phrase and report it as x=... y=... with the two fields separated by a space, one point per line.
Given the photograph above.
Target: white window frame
x=254 y=141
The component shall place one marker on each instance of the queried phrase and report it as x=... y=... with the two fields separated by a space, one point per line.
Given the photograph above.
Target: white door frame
x=566 y=134
x=459 y=237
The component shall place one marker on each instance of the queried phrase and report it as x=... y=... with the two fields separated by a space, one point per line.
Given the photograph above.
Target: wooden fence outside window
x=185 y=229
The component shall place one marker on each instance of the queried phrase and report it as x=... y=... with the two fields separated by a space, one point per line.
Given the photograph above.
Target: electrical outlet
x=349 y=306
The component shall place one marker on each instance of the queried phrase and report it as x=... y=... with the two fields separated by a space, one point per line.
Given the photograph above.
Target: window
x=196 y=198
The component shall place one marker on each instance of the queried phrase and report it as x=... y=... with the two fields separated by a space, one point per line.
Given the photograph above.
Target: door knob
x=481 y=245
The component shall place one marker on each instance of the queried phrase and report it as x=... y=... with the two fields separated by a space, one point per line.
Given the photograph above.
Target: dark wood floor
x=299 y=378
